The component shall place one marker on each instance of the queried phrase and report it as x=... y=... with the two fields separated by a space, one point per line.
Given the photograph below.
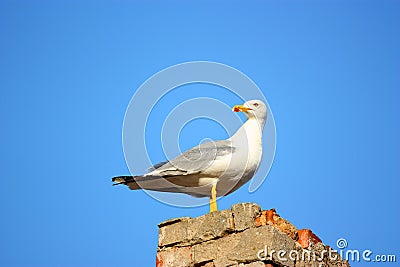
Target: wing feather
x=194 y=160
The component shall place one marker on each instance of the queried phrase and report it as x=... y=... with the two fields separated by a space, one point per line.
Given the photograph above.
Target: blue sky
x=329 y=70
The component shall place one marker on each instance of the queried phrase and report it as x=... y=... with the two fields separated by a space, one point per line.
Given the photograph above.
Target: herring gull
x=211 y=169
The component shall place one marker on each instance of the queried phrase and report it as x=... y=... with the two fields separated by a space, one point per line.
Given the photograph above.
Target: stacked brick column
x=241 y=236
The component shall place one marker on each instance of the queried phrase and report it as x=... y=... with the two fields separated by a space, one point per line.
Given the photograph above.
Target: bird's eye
x=255 y=104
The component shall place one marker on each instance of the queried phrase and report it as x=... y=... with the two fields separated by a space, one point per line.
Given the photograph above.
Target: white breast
x=254 y=142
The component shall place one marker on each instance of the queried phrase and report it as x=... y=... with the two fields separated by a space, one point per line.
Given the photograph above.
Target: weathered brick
x=309 y=257
x=174 y=257
x=189 y=232
x=319 y=255
x=216 y=251
x=235 y=237
x=270 y=217
x=285 y=227
x=172 y=221
x=306 y=238
x=266 y=238
x=244 y=215
x=334 y=260
x=173 y=233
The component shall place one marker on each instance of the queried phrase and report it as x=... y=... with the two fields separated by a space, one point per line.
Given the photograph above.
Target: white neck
x=250 y=130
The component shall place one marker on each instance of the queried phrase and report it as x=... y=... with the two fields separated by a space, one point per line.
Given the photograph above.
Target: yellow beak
x=240 y=108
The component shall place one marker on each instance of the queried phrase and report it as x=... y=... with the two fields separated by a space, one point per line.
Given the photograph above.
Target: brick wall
x=241 y=236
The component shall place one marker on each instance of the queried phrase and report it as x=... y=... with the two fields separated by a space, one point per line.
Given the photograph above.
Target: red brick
x=307 y=237
x=270 y=217
x=175 y=257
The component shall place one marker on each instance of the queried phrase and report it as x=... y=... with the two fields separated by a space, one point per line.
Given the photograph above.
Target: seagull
x=211 y=169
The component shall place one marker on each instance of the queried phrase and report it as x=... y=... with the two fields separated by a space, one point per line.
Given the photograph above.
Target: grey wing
x=182 y=174
x=156 y=166
x=196 y=159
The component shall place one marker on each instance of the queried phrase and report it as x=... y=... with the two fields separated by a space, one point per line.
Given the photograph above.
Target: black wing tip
x=122 y=180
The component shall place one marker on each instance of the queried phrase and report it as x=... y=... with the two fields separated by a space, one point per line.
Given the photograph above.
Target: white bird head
x=253 y=109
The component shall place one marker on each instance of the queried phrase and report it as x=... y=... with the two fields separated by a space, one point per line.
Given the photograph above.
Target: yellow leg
x=213 y=198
